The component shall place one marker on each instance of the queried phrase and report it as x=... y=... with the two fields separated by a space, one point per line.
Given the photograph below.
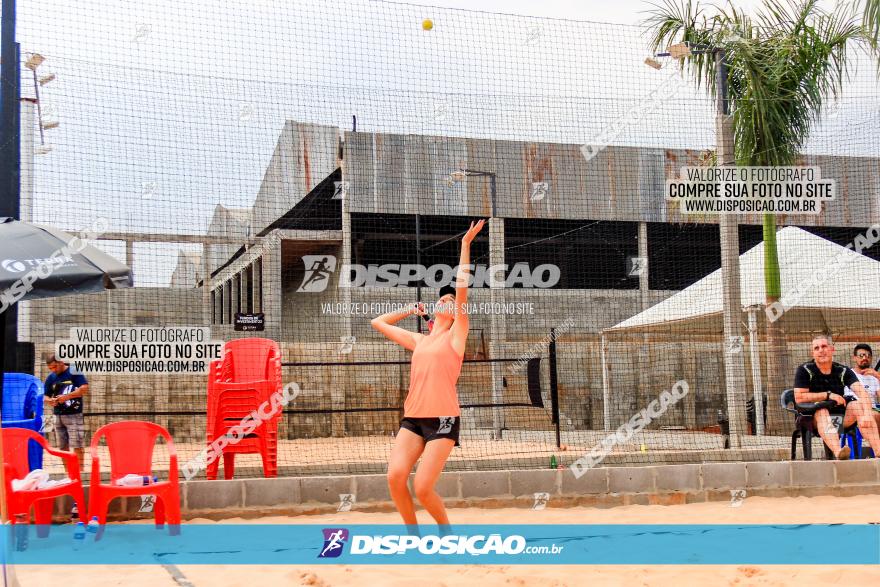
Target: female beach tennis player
x=431 y=414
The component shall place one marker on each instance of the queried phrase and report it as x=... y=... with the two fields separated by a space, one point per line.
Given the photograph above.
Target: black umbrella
x=42 y=262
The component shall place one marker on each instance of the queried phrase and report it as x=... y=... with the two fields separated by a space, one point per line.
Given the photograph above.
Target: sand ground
x=754 y=510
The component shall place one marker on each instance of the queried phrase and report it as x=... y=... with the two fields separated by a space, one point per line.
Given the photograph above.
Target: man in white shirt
x=870 y=379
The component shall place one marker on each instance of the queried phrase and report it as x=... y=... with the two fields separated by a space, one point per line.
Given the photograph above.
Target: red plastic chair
x=246 y=377
x=131 y=445
x=15 y=466
x=251 y=360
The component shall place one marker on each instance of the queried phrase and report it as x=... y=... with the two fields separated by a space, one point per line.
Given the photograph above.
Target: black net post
x=554 y=389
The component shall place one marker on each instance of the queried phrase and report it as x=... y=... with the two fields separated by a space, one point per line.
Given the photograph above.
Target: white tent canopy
x=826 y=288
x=829 y=288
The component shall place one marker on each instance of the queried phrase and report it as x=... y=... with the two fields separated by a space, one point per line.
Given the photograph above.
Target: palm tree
x=785 y=63
x=871 y=20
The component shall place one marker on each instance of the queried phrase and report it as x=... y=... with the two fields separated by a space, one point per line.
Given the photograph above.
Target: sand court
x=752 y=510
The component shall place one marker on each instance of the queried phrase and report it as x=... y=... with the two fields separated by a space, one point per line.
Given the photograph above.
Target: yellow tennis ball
x=644 y=448
x=427 y=24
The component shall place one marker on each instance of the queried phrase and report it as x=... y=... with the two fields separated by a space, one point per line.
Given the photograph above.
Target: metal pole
x=10 y=160
x=419 y=263
x=10 y=93
x=734 y=364
x=10 y=155
x=496 y=295
x=39 y=107
x=554 y=386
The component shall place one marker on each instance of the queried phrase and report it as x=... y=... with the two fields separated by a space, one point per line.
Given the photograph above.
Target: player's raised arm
x=386 y=325
x=462 y=323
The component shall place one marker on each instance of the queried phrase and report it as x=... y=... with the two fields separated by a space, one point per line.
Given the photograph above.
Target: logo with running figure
x=446 y=424
x=319 y=268
x=334 y=541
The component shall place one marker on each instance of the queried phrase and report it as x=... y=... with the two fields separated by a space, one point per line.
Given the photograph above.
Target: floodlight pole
x=10 y=93
x=10 y=160
x=10 y=157
x=733 y=346
x=731 y=299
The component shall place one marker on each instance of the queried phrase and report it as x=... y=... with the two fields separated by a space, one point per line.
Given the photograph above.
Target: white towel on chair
x=37 y=479
x=31 y=481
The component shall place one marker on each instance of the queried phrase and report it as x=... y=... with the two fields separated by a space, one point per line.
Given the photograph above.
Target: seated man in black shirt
x=822 y=379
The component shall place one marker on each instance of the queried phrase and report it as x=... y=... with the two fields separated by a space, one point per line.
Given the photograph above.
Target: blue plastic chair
x=23 y=408
x=852 y=437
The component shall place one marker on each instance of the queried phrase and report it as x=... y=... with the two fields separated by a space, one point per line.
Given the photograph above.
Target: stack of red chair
x=238 y=384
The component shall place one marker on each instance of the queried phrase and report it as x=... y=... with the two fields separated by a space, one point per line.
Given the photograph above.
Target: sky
x=167 y=109
x=619 y=11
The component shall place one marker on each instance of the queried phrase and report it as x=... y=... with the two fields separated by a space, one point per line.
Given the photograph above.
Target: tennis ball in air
x=427 y=24
x=644 y=448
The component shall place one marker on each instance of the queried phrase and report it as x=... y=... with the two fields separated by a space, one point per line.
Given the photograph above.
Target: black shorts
x=434 y=428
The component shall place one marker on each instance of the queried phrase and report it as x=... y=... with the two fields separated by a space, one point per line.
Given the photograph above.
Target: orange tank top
x=432 y=378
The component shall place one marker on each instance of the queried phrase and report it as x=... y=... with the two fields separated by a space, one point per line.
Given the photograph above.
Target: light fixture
x=46 y=79
x=459 y=175
x=42 y=149
x=679 y=51
x=651 y=62
x=50 y=125
x=34 y=61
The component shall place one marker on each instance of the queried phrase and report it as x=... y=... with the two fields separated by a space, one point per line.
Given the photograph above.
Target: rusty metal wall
x=408 y=174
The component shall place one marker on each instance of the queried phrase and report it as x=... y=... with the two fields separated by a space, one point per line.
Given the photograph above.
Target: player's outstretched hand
x=473 y=231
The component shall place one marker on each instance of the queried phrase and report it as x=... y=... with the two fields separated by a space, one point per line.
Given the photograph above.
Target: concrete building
x=188 y=271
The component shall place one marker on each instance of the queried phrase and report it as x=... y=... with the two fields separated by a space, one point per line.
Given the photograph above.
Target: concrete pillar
x=734 y=363
x=497 y=328
x=235 y=287
x=755 y=359
x=258 y=285
x=129 y=258
x=647 y=384
x=643 y=276
x=345 y=252
x=272 y=287
x=221 y=299
x=346 y=381
x=207 y=306
x=606 y=383
x=688 y=352
x=337 y=399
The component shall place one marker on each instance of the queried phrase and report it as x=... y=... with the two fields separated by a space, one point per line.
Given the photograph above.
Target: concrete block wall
x=607 y=486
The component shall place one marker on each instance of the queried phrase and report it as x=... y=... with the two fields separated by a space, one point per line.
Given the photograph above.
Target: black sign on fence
x=250 y=322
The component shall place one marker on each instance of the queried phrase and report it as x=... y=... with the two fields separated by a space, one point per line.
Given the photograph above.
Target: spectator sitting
x=821 y=380
x=861 y=365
